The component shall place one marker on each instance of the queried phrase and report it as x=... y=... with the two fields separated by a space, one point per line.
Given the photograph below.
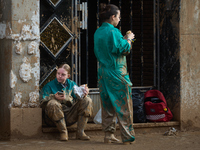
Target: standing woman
x=111 y=48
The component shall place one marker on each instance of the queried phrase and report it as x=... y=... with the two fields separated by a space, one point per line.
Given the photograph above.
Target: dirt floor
x=182 y=141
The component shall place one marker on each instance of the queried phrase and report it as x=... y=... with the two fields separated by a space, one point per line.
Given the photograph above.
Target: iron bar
x=158 y=43
x=74 y=14
x=97 y=14
x=120 y=7
x=79 y=52
x=97 y=28
x=142 y=46
x=154 y=39
x=79 y=69
x=75 y=49
x=131 y=27
x=87 y=53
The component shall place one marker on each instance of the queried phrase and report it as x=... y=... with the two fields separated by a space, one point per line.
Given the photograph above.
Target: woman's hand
x=86 y=91
x=130 y=35
x=60 y=96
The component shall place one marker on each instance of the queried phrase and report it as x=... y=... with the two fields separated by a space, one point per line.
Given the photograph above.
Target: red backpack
x=156 y=107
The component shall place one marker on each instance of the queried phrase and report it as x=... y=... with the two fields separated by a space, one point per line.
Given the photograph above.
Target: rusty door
x=60 y=27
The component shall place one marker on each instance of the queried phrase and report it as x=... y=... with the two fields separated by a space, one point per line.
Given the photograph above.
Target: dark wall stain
x=169 y=53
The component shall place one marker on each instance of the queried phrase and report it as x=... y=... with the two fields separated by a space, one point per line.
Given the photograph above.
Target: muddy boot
x=127 y=143
x=130 y=142
x=62 y=129
x=80 y=134
x=110 y=138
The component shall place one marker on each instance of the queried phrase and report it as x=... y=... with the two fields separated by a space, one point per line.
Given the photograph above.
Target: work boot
x=110 y=138
x=127 y=143
x=80 y=134
x=130 y=142
x=61 y=125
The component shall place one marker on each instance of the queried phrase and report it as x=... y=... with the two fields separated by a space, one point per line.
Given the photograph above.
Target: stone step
x=97 y=127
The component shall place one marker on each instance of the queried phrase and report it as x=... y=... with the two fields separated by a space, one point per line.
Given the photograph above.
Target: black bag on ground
x=139 y=115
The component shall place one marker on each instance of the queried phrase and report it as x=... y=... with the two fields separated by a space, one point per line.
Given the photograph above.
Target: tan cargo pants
x=54 y=111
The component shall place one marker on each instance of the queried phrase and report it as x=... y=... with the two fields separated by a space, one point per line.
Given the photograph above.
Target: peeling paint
x=17 y=99
x=21 y=21
x=24 y=105
x=33 y=99
x=26 y=32
x=30 y=31
x=31 y=47
x=35 y=23
x=36 y=70
x=18 y=48
x=25 y=70
x=13 y=79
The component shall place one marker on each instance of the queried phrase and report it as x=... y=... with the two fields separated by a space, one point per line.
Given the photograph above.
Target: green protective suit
x=54 y=86
x=111 y=49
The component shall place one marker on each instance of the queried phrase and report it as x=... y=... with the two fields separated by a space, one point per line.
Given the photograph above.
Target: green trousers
x=116 y=101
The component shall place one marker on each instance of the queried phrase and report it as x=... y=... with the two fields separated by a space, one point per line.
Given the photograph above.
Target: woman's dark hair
x=106 y=11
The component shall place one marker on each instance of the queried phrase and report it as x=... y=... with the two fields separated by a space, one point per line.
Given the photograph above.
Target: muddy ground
x=153 y=141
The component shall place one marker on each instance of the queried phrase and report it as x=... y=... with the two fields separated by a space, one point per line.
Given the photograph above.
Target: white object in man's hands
x=79 y=92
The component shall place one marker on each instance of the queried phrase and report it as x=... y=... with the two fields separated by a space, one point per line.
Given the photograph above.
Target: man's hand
x=60 y=96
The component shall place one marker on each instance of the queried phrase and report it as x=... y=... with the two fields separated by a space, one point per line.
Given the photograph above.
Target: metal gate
x=63 y=40
x=60 y=37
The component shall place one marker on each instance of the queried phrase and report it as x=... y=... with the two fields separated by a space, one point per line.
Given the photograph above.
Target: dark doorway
x=136 y=15
x=77 y=50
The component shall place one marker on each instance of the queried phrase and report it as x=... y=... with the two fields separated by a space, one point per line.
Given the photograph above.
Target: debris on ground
x=171 y=132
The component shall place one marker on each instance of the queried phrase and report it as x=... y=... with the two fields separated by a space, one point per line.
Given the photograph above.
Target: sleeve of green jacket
x=120 y=45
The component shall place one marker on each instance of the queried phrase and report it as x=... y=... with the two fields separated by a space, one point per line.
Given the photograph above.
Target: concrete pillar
x=19 y=64
x=190 y=64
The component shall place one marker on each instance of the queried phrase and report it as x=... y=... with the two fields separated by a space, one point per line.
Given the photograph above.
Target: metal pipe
x=83 y=15
x=87 y=53
x=86 y=15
